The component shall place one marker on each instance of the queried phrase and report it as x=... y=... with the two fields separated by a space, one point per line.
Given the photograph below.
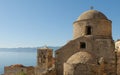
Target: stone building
x=91 y=51
x=45 y=64
x=19 y=69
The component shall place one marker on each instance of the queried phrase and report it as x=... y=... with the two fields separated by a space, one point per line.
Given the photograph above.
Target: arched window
x=88 y=30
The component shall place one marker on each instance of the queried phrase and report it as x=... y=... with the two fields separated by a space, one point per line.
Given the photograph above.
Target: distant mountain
x=27 y=49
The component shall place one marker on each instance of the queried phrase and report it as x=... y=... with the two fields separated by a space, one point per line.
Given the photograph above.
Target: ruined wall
x=104 y=48
x=45 y=60
x=30 y=70
x=42 y=71
x=44 y=57
x=18 y=70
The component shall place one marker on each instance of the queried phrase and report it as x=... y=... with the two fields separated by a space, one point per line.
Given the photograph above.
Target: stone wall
x=44 y=57
x=41 y=71
x=99 y=46
x=104 y=48
x=117 y=48
x=69 y=49
x=18 y=70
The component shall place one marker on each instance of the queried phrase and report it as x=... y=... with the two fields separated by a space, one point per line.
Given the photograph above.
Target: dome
x=81 y=57
x=92 y=14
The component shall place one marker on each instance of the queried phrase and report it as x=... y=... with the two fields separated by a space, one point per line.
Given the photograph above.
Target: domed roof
x=81 y=57
x=92 y=14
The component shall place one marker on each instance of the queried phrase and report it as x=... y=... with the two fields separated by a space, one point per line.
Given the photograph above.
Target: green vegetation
x=22 y=73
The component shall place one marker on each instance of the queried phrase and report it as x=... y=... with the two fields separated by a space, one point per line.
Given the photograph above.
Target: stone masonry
x=91 y=52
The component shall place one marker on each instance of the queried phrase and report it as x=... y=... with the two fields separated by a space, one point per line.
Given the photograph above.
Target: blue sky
x=33 y=23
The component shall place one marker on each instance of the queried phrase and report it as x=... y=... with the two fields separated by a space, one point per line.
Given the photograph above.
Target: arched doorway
x=82 y=69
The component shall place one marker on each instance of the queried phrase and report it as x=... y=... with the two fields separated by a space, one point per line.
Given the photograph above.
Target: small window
x=82 y=45
x=88 y=30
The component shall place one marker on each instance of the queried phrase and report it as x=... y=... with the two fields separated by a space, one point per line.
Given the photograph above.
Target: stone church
x=90 y=52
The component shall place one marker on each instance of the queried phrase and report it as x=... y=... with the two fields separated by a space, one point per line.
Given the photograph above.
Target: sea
x=25 y=56
x=10 y=58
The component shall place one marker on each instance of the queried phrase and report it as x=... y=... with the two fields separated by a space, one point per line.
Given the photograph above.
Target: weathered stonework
x=44 y=57
x=100 y=25
x=117 y=48
x=19 y=69
x=92 y=34
x=45 y=64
